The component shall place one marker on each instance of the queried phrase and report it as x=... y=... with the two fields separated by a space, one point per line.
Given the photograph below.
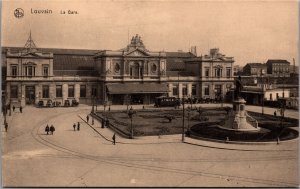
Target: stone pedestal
x=238 y=119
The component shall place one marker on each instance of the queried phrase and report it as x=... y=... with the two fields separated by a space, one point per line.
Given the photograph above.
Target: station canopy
x=136 y=88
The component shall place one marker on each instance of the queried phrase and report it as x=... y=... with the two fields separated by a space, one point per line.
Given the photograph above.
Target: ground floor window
x=45 y=91
x=194 y=90
x=94 y=91
x=14 y=91
x=175 y=90
x=58 y=91
x=82 y=90
x=206 y=90
x=71 y=91
x=184 y=91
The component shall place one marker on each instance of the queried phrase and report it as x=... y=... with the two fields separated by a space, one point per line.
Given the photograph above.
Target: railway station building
x=133 y=75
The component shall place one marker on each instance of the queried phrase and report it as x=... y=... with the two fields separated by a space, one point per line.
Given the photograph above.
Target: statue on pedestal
x=238 y=87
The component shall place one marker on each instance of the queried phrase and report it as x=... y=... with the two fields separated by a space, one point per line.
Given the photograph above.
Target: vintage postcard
x=152 y=93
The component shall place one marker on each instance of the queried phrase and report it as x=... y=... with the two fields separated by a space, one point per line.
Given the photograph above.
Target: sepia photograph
x=149 y=93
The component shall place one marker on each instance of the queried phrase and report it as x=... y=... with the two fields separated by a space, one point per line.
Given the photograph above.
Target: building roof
x=256 y=65
x=82 y=65
x=175 y=60
x=55 y=50
x=272 y=61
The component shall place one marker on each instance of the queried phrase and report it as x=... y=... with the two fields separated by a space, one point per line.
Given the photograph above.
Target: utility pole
x=182 y=120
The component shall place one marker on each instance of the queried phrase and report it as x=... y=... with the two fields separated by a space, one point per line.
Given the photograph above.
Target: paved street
x=88 y=158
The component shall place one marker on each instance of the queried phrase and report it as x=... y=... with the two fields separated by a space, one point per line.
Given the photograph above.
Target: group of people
x=19 y=108
x=50 y=129
x=78 y=126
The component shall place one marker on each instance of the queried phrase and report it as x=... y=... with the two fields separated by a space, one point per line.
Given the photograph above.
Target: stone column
x=22 y=95
x=170 y=93
x=189 y=89
x=64 y=92
x=180 y=90
x=37 y=94
x=52 y=92
x=77 y=92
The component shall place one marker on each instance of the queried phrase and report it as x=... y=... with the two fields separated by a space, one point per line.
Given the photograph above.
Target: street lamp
x=130 y=114
x=263 y=93
x=182 y=120
x=93 y=99
x=188 y=128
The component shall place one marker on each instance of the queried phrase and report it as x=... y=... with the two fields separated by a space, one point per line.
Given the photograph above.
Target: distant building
x=278 y=68
x=255 y=69
x=237 y=70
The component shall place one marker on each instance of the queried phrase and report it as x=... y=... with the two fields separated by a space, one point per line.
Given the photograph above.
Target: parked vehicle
x=166 y=101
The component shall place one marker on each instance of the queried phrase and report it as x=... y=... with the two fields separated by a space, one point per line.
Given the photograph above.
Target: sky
x=249 y=31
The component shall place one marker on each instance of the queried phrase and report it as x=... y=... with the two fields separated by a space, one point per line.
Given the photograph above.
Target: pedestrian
x=275 y=114
x=87 y=118
x=92 y=120
x=107 y=123
x=21 y=109
x=78 y=126
x=47 y=129
x=102 y=124
x=74 y=126
x=114 y=139
x=6 y=126
x=14 y=108
x=52 y=129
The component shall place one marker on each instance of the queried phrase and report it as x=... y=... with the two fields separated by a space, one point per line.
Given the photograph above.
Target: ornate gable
x=137 y=52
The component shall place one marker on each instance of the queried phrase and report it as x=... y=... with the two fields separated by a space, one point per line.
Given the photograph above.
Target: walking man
x=47 y=129
x=114 y=139
x=74 y=126
x=78 y=126
x=87 y=118
x=103 y=123
x=275 y=114
x=21 y=109
x=6 y=126
x=52 y=129
x=14 y=108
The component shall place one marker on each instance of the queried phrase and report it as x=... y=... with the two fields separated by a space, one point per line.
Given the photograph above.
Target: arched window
x=135 y=71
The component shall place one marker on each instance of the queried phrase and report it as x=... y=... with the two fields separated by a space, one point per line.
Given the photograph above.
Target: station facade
x=132 y=75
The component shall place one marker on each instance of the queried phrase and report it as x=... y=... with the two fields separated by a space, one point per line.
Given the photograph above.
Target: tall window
x=228 y=72
x=58 y=91
x=71 y=91
x=82 y=90
x=14 y=91
x=277 y=96
x=175 y=90
x=30 y=71
x=94 y=91
x=14 y=71
x=218 y=72
x=206 y=90
x=194 y=91
x=45 y=70
x=218 y=90
x=135 y=71
x=206 y=72
x=45 y=91
x=271 y=97
x=184 y=91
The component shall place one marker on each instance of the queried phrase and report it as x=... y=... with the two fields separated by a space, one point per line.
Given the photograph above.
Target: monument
x=238 y=119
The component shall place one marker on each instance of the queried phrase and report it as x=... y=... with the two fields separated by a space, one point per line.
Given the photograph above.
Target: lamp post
x=130 y=114
x=263 y=93
x=182 y=120
x=188 y=127
x=93 y=99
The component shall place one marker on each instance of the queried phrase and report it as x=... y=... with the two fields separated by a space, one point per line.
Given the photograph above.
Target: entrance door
x=30 y=94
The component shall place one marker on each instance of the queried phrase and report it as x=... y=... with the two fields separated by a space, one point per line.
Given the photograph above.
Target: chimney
x=194 y=50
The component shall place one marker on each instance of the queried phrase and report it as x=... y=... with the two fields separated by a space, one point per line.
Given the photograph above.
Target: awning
x=136 y=88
